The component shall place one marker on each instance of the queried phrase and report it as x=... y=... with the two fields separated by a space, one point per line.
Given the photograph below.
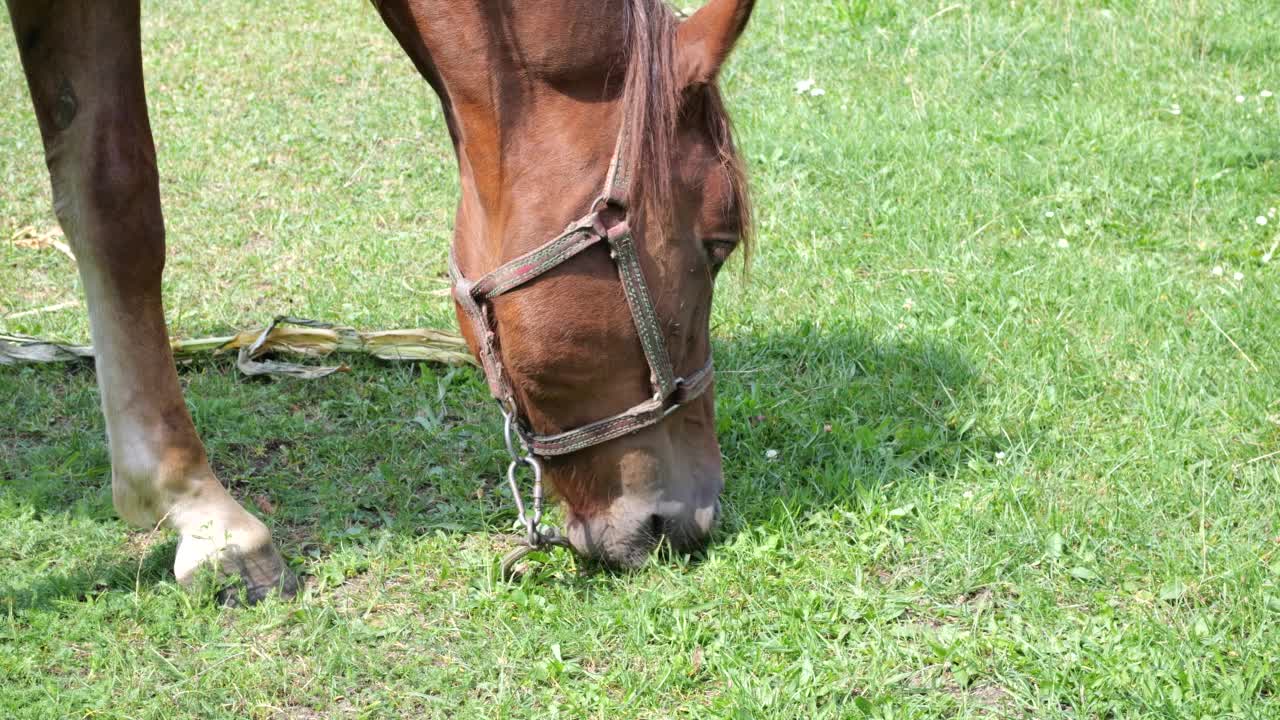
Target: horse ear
x=704 y=41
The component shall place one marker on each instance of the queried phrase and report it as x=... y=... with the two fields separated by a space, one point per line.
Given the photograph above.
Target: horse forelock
x=652 y=101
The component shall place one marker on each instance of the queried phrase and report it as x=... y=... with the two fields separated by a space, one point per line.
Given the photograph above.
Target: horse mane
x=653 y=101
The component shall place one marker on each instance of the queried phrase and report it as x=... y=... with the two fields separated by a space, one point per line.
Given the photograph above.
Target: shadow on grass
x=808 y=418
x=812 y=416
x=92 y=577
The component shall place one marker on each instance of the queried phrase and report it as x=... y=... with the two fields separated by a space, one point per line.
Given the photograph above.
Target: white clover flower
x=817 y=92
x=1239 y=98
x=1261 y=219
x=1238 y=276
x=1048 y=213
x=1217 y=271
x=1175 y=109
x=1001 y=455
x=1264 y=94
x=805 y=86
x=1063 y=243
x=771 y=454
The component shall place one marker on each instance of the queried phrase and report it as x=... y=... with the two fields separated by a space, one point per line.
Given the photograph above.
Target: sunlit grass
x=998 y=396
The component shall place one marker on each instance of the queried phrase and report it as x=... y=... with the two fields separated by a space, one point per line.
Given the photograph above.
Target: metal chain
x=510 y=436
x=536 y=535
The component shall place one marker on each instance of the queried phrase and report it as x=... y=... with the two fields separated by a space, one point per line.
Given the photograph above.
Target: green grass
x=987 y=453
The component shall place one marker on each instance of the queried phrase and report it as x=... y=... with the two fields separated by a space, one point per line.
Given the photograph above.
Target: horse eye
x=719 y=249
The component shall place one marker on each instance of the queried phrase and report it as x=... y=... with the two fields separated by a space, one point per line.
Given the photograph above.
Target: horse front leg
x=83 y=62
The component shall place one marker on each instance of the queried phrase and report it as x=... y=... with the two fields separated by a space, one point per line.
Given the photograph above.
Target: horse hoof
x=242 y=594
x=247 y=565
x=255 y=578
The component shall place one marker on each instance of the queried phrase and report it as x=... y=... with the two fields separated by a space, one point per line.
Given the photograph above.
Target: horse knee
x=121 y=176
x=106 y=188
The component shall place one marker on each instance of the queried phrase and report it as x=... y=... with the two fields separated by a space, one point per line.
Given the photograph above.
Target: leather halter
x=475 y=298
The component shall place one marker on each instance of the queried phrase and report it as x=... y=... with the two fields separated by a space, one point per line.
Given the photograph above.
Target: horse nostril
x=657 y=525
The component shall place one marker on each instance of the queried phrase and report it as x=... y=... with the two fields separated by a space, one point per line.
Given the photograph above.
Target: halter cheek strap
x=475 y=298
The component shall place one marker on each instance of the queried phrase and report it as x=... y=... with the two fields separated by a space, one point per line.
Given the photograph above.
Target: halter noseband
x=670 y=393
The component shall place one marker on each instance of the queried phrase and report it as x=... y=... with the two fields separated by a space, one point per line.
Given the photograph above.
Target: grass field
x=999 y=399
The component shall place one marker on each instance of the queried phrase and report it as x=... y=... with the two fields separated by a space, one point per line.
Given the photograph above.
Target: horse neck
x=532 y=96
x=532 y=156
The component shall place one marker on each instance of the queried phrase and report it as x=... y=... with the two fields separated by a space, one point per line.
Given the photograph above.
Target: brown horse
x=537 y=95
